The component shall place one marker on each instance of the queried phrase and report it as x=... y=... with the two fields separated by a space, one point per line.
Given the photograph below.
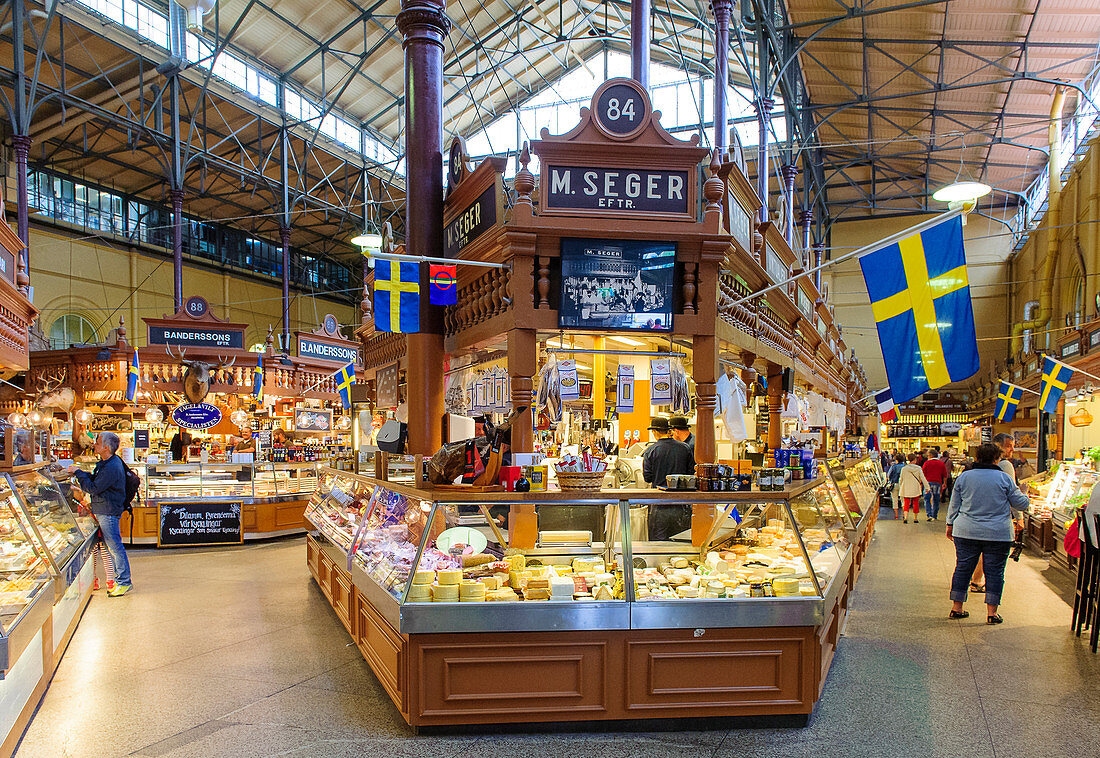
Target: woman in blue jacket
x=979 y=522
x=893 y=483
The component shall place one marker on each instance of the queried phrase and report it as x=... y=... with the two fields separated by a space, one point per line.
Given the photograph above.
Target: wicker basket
x=580 y=481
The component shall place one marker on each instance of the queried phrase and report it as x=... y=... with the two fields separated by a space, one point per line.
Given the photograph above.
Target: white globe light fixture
x=367 y=240
x=83 y=416
x=154 y=415
x=44 y=421
x=17 y=419
x=34 y=418
x=240 y=418
x=961 y=192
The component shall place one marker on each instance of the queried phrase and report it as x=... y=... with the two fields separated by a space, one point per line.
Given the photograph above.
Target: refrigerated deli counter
x=1056 y=497
x=45 y=584
x=584 y=617
x=272 y=496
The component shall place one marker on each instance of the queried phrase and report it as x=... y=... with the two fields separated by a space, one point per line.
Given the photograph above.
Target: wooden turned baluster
x=689 y=288
x=543 y=283
x=498 y=291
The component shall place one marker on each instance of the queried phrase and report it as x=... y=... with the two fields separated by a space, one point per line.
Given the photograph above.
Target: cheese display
x=766 y=549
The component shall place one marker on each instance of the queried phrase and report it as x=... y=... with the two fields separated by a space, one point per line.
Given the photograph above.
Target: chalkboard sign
x=200 y=523
x=141 y=439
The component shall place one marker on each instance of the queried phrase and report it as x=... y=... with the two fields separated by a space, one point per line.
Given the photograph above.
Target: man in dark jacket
x=681 y=431
x=107 y=487
x=666 y=456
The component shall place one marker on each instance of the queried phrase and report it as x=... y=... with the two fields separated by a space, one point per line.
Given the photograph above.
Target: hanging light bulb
x=45 y=420
x=239 y=417
x=34 y=418
x=17 y=419
x=83 y=416
x=343 y=422
x=154 y=415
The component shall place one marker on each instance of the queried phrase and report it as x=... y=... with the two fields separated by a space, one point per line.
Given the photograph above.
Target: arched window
x=71 y=329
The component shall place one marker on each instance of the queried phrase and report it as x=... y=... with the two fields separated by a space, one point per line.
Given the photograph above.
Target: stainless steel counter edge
x=28 y=624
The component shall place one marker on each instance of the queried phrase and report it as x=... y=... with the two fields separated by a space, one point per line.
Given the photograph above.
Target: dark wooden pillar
x=284 y=239
x=639 y=42
x=775 y=406
x=522 y=366
x=424 y=25
x=721 y=10
x=176 y=196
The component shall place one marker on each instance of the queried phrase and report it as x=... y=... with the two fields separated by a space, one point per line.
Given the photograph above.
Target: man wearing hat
x=681 y=432
x=666 y=456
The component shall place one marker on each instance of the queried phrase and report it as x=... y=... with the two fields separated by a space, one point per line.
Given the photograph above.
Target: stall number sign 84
x=614 y=112
x=620 y=109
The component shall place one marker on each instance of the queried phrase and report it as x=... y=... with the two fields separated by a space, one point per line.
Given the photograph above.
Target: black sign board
x=199 y=523
x=7 y=264
x=342 y=354
x=621 y=109
x=987 y=435
x=196 y=336
x=474 y=220
x=141 y=439
x=617 y=189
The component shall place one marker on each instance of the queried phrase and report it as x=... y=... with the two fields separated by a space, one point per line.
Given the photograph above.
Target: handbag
x=1072 y=541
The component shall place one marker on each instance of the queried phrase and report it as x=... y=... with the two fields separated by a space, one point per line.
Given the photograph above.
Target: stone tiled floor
x=236 y=653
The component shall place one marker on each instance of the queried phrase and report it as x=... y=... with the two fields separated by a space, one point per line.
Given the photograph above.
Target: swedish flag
x=133 y=378
x=1008 y=397
x=1056 y=376
x=258 y=378
x=396 y=296
x=920 y=297
x=345 y=377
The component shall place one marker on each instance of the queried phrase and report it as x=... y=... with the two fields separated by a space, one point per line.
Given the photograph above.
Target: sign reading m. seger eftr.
x=593 y=188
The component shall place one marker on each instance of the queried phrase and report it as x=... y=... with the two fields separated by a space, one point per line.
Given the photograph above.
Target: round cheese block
x=444 y=592
x=687 y=591
x=449 y=576
x=679 y=562
x=420 y=593
x=473 y=598
x=423 y=577
x=785 y=587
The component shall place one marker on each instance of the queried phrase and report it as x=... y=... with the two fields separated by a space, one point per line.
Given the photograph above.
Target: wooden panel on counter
x=722 y=672
x=514 y=678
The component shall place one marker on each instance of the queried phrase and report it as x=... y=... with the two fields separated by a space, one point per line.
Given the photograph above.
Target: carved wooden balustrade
x=485 y=297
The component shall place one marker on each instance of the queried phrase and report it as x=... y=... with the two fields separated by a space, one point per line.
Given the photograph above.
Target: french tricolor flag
x=885 y=401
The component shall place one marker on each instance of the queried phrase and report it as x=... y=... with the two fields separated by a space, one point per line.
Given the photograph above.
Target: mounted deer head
x=50 y=393
x=196 y=378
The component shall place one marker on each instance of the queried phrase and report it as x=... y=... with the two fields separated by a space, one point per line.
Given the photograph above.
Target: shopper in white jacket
x=912 y=485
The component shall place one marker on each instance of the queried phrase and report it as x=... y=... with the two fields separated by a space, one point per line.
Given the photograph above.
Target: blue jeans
x=932 y=500
x=994 y=556
x=112 y=538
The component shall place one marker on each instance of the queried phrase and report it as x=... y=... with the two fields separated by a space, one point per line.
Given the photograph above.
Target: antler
x=48 y=382
x=222 y=363
x=182 y=358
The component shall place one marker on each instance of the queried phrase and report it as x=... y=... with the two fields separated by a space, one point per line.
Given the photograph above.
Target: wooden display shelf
x=260 y=519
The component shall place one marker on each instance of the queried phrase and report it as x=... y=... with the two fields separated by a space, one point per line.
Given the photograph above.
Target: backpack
x=133 y=486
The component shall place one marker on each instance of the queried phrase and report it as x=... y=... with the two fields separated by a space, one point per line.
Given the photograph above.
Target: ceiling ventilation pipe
x=1045 y=279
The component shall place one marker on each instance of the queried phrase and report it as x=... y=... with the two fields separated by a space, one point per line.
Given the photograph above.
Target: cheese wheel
x=423 y=577
x=679 y=562
x=449 y=576
x=785 y=586
x=420 y=593
x=444 y=592
x=473 y=599
x=686 y=591
x=603 y=592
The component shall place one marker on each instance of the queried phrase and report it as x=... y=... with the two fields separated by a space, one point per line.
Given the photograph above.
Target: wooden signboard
x=328 y=343
x=193 y=325
x=475 y=200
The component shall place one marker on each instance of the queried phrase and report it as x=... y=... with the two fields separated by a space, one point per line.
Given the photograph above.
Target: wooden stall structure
x=610 y=180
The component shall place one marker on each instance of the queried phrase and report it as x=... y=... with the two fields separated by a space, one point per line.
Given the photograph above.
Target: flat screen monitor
x=616 y=284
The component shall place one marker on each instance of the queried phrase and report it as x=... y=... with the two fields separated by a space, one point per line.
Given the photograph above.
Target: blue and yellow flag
x=345 y=378
x=258 y=378
x=920 y=297
x=1056 y=376
x=396 y=296
x=1008 y=397
x=133 y=378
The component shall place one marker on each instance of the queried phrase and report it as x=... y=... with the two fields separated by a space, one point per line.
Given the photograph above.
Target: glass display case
x=610 y=560
x=224 y=481
x=1064 y=491
x=50 y=516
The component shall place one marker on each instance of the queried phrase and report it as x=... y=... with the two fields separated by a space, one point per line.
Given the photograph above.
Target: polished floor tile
x=236 y=653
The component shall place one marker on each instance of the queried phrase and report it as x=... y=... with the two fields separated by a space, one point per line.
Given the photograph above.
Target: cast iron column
x=21 y=142
x=722 y=9
x=22 y=145
x=284 y=239
x=639 y=42
x=790 y=171
x=763 y=118
x=819 y=258
x=424 y=24
x=807 y=220
x=176 y=196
